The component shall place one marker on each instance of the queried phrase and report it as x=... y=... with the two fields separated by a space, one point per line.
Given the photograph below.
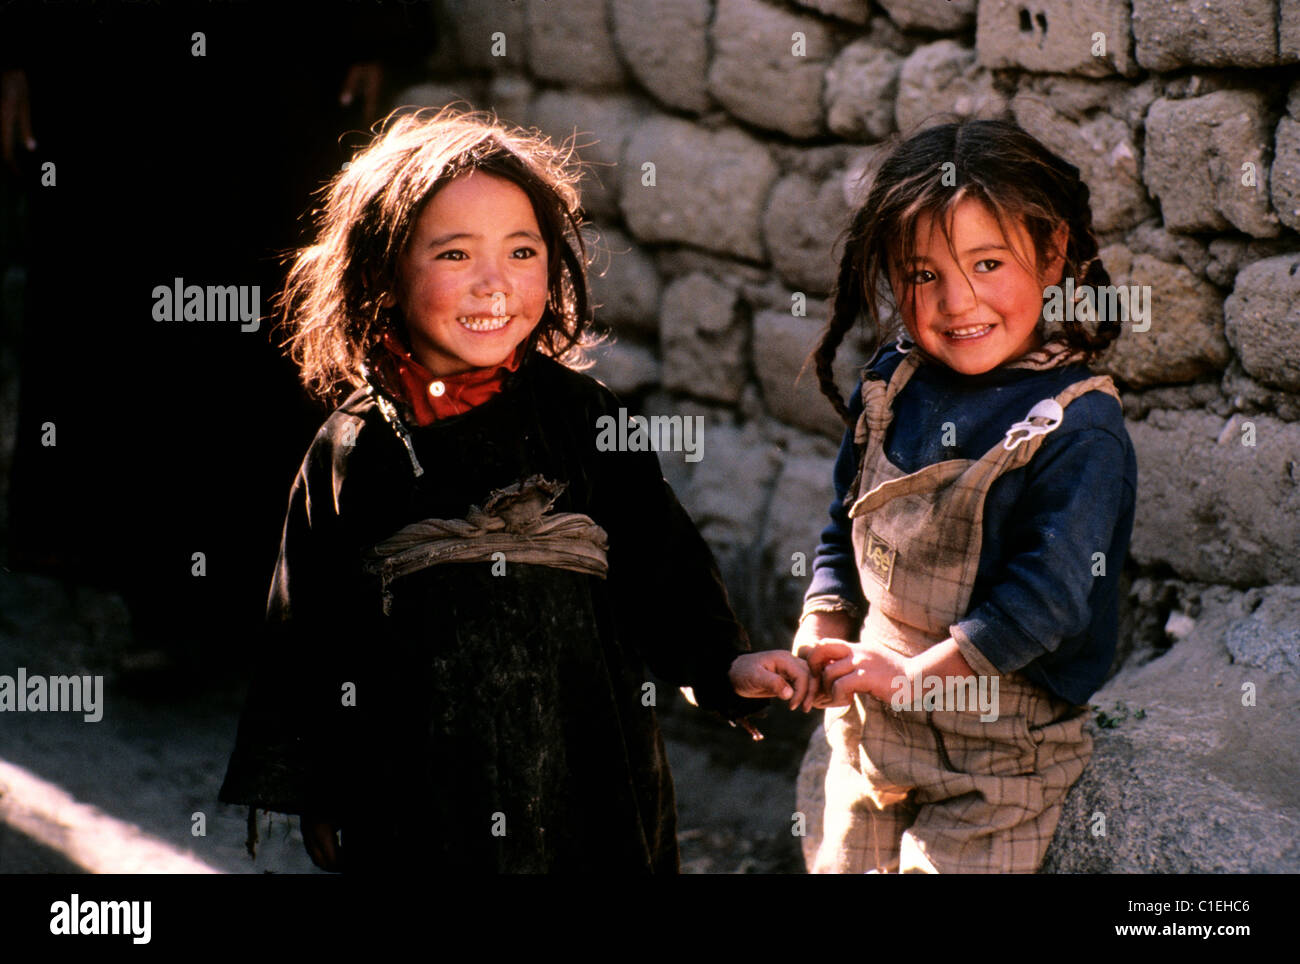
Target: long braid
x=846 y=307
x=1085 y=262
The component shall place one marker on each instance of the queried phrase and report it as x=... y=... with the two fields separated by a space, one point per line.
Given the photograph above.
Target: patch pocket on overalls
x=1066 y=729
x=1001 y=747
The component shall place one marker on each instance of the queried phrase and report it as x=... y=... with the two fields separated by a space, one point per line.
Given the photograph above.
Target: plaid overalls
x=937 y=790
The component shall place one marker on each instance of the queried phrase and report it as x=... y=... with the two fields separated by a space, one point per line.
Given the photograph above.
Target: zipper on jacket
x=389 y=412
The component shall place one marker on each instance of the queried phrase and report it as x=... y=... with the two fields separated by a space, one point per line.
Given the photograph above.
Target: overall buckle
x=1042 y=418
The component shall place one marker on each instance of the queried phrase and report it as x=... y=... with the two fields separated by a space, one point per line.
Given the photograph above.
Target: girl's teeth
x=490 y=323
x=968 y=332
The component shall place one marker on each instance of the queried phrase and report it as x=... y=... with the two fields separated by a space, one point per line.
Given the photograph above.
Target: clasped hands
x=824 y=669
x=821 y=672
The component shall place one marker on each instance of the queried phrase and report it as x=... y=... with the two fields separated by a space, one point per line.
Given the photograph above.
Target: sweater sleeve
x=1077 y=490
x=835 y=586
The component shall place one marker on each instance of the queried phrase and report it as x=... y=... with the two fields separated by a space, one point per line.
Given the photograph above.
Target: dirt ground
x=125 y=794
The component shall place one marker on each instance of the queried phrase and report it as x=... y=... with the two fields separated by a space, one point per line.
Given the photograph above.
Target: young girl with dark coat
x=469 y=589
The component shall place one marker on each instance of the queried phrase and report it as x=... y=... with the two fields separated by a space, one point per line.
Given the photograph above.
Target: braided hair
x=993 y=161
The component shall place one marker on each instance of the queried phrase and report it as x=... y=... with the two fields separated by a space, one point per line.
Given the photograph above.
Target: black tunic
x=500 y=720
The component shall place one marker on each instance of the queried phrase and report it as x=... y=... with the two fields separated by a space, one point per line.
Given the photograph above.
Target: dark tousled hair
x=993 y=161
x=333 y=298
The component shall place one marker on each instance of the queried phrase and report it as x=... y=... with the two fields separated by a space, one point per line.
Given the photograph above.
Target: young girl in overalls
x=984 y=496
x=469 y=585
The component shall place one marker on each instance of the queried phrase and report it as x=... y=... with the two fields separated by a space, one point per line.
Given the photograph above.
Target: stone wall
x=726 y=137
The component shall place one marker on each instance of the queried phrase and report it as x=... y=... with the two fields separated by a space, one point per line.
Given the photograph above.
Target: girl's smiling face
x=472 y=282
x=981 y=309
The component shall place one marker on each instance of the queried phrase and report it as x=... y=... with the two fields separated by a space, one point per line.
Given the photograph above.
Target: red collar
x=432 y=398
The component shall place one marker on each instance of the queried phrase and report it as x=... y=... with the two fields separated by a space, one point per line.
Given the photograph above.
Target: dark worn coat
x=500 y=720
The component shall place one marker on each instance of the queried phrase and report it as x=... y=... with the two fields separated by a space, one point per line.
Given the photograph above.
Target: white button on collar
x=437 y=389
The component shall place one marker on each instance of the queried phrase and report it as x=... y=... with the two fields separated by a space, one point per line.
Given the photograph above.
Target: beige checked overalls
x=938 y=790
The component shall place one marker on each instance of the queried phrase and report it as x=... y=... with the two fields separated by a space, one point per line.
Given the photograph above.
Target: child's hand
x=847 y=668
x=771 y=673
x=320 y=837
x=815 y=631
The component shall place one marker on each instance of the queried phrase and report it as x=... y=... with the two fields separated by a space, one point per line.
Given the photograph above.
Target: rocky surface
x=860 y=88
x=802 y=227
x=943 y=16
x=940 y=82
x=1085 y=37
x=1182 y=336
x=571 y=43
x=1095 y=126
x=599 y=126
x=1175 y=33
x=1263 y=319
x=1207 y=162
x=1218 y=498
x=696 y=186
x=703 y=339
x=768 y=64
x=1196 y=765
x=672 y=64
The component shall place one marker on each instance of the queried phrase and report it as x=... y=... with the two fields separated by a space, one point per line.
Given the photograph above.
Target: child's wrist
x=818 y=625
x=823 y=617
x=832 y=604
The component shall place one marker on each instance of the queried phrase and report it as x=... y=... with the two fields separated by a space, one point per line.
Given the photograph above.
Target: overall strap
x=878 y=399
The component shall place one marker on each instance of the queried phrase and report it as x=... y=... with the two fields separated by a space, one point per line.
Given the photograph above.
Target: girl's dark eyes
x=455 y=254
x=917 y=277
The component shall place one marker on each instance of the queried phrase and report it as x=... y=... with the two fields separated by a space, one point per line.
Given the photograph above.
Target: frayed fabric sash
x=514 y=521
